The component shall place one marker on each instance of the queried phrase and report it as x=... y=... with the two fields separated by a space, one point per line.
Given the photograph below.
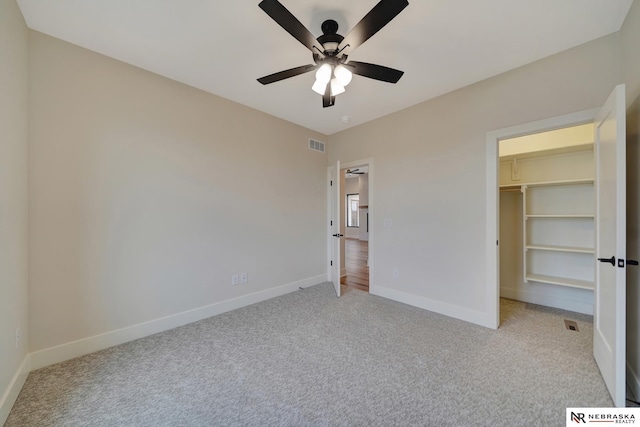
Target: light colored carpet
x=308 y=358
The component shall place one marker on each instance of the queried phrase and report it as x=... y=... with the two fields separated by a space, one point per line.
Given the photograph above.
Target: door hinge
x=331 y=183
x=331 y=262
x=331 y=223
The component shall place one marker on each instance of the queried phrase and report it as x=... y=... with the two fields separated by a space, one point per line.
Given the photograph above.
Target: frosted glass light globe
x=343 y=75
x=336 y=87
x=319 y=87
x=324 y=73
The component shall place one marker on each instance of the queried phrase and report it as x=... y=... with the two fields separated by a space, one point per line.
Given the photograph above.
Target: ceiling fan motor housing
x=329 y=27
x=330 y=39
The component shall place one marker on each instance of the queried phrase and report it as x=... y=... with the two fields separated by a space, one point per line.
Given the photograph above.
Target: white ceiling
x=222 y=47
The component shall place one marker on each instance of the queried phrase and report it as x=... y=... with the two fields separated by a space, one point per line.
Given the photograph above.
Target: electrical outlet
x=234 y=279
x=396 y=273
x=244 y=277
x=18 y=337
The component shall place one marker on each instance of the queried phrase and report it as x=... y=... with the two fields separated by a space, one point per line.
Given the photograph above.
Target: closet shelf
x=562 y=182
x=558 y=212
x=562 y=281
x=550 y=183
x=587 y=216
x=561 y=249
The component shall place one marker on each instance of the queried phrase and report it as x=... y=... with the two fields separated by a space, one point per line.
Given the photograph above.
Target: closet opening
x=547 y=218
x=573 y=224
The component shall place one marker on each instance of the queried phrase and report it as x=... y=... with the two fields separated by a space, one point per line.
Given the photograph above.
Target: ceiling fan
x=354 y=171
x=330 y=50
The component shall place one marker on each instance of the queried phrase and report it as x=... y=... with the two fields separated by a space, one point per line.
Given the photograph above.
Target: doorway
x=355 y=195
x=608 y=283
x=547 y=218
x=493 y=196
x=357 y=216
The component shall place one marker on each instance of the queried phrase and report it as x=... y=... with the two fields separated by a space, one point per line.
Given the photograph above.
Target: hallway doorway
x=356 y=207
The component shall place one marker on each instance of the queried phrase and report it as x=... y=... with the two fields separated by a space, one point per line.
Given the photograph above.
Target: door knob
x=611 y=260
x=632 y=262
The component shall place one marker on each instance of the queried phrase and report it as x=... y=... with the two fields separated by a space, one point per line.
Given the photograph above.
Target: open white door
x=335 y=227
x=610 y=293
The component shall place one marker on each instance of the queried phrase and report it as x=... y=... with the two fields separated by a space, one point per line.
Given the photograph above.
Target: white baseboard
x=60 y=353
x=11 y=393
x=633 y=380
x=457 y=312
x=546 y=300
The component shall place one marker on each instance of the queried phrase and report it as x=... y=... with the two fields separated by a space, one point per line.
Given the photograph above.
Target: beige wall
x=630 y=35
x=13 y=198
x=351 y=185
x=438 y=237
x=147 y=195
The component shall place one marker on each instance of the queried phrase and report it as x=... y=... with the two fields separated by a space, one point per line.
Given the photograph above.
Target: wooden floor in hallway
x=356 y=253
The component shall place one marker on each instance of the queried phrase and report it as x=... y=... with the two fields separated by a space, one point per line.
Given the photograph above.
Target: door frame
x=493 y=196
x=348 y=165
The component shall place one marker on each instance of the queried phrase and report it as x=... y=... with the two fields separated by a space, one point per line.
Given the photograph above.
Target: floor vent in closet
x=571 y=325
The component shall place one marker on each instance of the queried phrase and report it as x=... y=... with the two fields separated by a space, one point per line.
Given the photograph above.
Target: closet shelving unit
x=558 y=232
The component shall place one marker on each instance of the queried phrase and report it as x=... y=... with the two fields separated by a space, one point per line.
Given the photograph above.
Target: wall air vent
x=316 y=145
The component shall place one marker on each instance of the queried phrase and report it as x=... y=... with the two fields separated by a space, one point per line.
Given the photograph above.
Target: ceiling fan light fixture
x=323 y=74
x=319 y=87
x=343 y=75
x=336 y=87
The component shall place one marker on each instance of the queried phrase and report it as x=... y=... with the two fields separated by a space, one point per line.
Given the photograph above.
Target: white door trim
x=492 y=197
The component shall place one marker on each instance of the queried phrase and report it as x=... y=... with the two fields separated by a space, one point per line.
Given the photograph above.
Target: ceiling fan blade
x=276 y=77
x=373 y=71
x=327 y=99
x=290 y=23
x=378 y=17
